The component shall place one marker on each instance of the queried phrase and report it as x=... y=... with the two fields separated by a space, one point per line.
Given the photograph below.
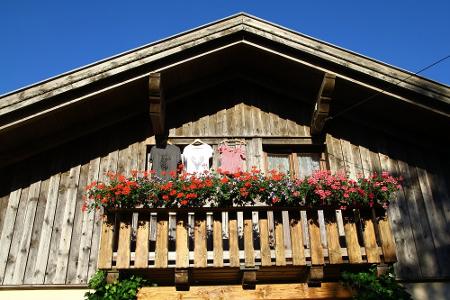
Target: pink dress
x=231 y=158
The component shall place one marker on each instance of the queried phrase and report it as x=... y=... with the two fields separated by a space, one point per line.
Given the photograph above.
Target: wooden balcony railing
x=264 y=244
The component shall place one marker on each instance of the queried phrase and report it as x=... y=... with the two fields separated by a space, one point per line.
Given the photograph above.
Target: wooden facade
x=45 y=238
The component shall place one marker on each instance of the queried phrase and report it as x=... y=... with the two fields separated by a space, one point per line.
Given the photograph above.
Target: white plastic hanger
x=196 y=142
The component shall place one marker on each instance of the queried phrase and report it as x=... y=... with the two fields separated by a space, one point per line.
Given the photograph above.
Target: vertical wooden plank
x=314 y=236
x=280 y=257
x=233 y=239
x=334 y=154
x=370 y=239
x=106 y=242
x=423 y=237
x=12 y=231
x=222 y=123
x=200 y=240
x=62 y=256
x=387 y=240
x=247 y=117
x=249 y=251
x=123 y=249
x=24 y=246
x=87 y=229
x=74 y=252
x=407 y=266
x=217 y=239
x=212 y=124
x=334 y=248
x=161 y=248
x=182 y=250
x=295 y=224
x=37 y=226
x=351 y=238
x=47 y=225
x=142 y=240
x=107 y=163
x=434 y=212
x=264 y=239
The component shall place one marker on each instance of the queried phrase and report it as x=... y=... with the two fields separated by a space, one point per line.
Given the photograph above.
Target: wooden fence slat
x=298 y=251
x=264 y=239
x=387 y=240
x=249 y=252
x=334 y=248
x=370 y=240
x=351 y=238
x=280 y=257
x=124 y=242
x=314 y=235
x=182 y=250
x=200 y=240
x=142 y=238
x=162 y=239
x=106 y=243
x=217 y=239
x=233 y=239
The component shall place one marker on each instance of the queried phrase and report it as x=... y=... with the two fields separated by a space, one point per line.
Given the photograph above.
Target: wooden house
x=296 y=102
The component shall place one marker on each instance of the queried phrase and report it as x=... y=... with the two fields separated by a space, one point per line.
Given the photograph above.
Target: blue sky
x=41 y=39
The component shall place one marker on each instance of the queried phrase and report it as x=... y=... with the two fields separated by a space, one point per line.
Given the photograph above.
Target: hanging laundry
x=196 y=157
x=232 y=158
x=165 y=160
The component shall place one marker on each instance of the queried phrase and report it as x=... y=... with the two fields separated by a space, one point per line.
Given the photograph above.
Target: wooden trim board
x=329 y=290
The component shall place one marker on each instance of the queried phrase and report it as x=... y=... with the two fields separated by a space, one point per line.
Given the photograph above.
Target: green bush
x=120 y=290
x=369 y=286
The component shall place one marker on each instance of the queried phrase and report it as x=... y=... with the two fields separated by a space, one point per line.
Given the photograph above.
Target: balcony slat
x=370 y=241
x=106 y=243
x=123 y=251
x=351 y=238
x=334 y=248
x=298 y=253
x=200 y=240
x=249 y=252
x=264 y=239
x=387 y=240
x=161 y=248
x=142 y=239
x=280 y=258
x=233 y=239
x=217 y=239
x=182 y=246
x=315 y=242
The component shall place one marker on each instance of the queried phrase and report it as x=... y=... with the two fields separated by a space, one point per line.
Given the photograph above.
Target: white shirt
x=196 y=158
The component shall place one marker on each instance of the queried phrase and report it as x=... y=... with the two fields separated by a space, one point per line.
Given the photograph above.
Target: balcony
x=243 y=245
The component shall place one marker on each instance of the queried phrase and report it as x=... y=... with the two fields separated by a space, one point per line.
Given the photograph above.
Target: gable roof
x=238 y=23
x=239 y=47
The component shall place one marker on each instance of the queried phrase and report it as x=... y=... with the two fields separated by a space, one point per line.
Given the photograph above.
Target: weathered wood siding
x=46 y=239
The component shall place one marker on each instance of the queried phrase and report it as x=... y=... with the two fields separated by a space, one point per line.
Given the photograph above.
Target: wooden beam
x=156 y=103
x=322 y=107
x=329 y=290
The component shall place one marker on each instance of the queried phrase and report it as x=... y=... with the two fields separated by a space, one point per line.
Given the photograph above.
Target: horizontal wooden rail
x=243 y=238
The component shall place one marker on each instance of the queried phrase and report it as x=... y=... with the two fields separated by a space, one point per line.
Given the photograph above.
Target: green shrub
x=120 y=290
x=368 y=286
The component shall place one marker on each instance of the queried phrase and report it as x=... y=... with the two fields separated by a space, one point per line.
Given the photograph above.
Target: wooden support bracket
x=315 y=276
x=156 y=103
x=381 y=269
x=182 y=279
x=322 y=106
x=112 y=276
x=249 y=278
